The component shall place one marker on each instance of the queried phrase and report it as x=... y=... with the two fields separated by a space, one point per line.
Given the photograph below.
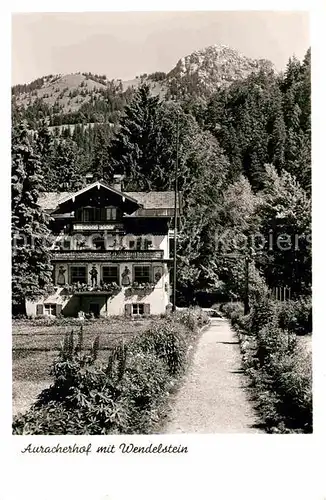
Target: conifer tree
x=68 y=168
x=297 y=103
x=100 y=164
x=31 y=267
x=44 y=143
x=133 y=150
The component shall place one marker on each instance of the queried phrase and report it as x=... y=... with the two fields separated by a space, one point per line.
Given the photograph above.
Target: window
x=99 y=244
x=131 y=244
x=66 y=244
x=111 y=213
x=50 y=309
x=142 y=274
x=78 y=274
x=147 y=244
x=138 y=309
x=138 y=244
x=91 y=214
x=110 y=274
x=88 y=214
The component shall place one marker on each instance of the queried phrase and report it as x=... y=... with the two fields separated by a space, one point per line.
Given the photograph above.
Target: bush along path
x=279 y=366
x=214 y=396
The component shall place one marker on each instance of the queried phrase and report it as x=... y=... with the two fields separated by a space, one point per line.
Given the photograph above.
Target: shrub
x=296 y=316
x=229 y=307
x=271 y=340
x=262 y=313
x=144 y=389
x=168 y=341
x=193 y=318
x=284 y=394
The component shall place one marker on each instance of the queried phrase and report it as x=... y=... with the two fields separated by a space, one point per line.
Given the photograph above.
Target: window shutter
x=128 y=309
x=58 y=309
x=39 y=310
x=147 y=309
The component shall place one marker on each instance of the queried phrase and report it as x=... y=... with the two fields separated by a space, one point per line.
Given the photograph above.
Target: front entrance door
x=94 y=308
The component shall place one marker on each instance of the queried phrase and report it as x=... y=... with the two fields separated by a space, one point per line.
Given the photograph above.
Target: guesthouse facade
x=111 y=252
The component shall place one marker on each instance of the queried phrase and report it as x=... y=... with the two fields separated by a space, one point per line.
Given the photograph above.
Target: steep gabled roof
x=72 y=196
x=149 y=201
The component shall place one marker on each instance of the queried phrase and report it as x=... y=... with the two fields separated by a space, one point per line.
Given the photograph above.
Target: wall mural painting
x=61 y=279
x=125 y=277
x=158 y=272
x=93 y=273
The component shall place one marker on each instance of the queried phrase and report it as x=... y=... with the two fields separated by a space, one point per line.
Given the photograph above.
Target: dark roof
x=97 y=184
x=150 y=201
x=154 y=199
x=50 y=200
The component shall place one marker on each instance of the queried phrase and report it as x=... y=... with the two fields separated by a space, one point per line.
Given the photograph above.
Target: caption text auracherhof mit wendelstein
x=123 y=448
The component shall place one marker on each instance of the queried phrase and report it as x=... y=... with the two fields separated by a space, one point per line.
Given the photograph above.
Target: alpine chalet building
x=111 y=252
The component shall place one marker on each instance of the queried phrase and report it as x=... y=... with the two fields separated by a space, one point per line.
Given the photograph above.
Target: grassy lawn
x=35 y=346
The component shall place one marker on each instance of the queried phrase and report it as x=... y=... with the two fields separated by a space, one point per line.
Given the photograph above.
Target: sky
x=126 y=44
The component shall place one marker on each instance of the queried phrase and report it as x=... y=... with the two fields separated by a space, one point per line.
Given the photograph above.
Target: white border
x=217 y=466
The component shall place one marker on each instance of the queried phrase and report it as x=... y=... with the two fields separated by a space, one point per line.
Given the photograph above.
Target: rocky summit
x=206 y=69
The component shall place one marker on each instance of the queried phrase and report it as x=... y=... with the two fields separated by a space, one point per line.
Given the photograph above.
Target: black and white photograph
x=161 y=223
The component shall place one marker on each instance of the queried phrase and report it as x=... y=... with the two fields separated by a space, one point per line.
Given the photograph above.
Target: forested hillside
x=244 y=162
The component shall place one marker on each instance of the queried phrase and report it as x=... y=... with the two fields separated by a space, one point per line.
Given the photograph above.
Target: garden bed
x=121 y=391
x=36 y=345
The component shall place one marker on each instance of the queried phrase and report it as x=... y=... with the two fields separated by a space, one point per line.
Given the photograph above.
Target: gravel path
x=213 y=397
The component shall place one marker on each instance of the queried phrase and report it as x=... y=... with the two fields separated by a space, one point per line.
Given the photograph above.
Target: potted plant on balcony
x=149 y=287
x=67 y=289
x=140 y=289
x=114 y=288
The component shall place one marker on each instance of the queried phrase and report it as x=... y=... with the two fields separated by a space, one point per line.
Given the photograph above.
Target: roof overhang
x=98 y=185
x=67 y=203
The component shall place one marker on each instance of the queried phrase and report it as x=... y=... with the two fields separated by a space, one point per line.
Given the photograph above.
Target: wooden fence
x=281 y=293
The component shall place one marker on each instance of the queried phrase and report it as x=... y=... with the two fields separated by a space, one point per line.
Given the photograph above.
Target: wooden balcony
x=97 y=226
x=107 y=255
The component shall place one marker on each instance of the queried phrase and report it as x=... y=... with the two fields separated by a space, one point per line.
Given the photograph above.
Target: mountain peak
x=206 y=69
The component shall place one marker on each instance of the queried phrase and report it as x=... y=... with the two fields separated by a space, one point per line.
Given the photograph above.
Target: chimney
x=89 y=178
x=117 y=182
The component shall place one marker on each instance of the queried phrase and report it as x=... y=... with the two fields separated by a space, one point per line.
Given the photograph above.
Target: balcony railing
x=97 y=226
x=107 y=255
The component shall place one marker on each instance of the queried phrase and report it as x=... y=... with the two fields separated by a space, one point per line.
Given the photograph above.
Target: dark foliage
x=31 y=267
